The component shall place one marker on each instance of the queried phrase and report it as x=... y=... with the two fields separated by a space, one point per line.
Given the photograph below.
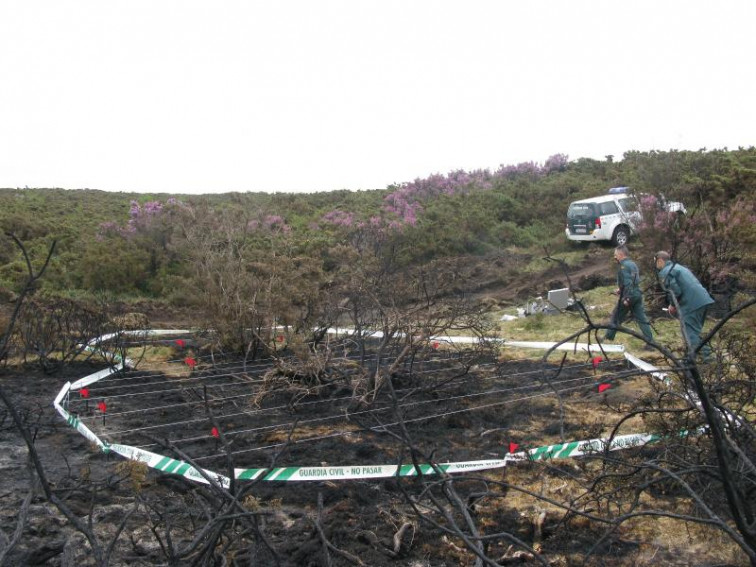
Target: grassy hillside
x=106 y=243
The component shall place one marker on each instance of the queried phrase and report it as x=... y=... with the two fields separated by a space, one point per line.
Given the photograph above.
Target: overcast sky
x=194 y=96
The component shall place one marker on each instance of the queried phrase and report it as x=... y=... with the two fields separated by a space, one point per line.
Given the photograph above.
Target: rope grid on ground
x=287 y=425
x=103 y=389
x=331 y=400
x=93 y=396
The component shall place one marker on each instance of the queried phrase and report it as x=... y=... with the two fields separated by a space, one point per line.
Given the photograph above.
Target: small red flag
x=596 y=360
x=513 y=447
x=181 y=342
x=215 y=433
x=434 y=344
x=84 y=392
x=190 y=362
x=280 y=338
x=603 y=387
x=102 y=406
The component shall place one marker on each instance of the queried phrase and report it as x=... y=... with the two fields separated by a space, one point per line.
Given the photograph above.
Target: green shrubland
x=137 y=245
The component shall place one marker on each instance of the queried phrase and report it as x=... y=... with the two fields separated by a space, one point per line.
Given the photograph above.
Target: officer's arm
x=672 y=287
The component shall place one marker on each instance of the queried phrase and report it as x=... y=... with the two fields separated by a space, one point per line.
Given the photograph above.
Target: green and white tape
x=169 y=465
x=351 y=472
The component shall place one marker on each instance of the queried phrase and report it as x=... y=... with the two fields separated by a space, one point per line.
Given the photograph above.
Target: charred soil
x=445 y=407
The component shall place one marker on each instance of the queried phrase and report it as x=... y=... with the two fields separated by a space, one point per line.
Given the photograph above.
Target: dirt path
x=505 y=282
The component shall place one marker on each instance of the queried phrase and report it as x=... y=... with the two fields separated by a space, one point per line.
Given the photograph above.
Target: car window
x=580 y=210
x=628 y=204
x=609 y=208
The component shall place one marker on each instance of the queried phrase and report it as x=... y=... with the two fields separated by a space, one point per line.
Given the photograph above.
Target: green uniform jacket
x=681 y=282
x=628 y=280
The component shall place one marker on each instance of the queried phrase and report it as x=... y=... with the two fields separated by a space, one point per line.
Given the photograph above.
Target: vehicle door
x=611 y=216
x=630 y=213
x=580 y=218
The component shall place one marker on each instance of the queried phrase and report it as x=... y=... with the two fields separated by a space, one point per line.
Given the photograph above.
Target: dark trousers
x=639 y=313
x=693 y=323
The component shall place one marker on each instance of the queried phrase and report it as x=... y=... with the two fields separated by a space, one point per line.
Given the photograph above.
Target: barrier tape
x=559 y=451
x=169 y=465
x=646 y=367
x=450 y=339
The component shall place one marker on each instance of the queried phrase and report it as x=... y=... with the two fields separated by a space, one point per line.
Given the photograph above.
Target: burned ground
x=447 y=406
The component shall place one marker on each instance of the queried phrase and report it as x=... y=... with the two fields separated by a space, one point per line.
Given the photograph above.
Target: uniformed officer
x=630 y=297
x=691 y=296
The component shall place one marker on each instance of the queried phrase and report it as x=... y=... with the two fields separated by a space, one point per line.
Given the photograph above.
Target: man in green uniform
x=630 y=297
x=692 y=298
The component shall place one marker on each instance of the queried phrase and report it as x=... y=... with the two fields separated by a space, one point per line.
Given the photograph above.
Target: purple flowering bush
x=405 y=204
x=145 y=244
x=143 y=217
x=716 y=243
x=269 y=224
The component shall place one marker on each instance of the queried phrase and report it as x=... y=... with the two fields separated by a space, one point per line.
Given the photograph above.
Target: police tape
x=152 y=460
x=168 y=465
x=178 y=467
x=350 y=472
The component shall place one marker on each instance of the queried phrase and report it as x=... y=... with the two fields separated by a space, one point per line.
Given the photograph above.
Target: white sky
x=316 y=95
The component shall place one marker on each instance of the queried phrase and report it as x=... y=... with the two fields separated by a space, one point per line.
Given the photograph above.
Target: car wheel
x=621 y=236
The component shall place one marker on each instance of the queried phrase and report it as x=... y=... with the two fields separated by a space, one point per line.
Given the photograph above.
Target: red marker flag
x=596 y=360
x=214 y=432
x=513 y=447
x=603 y=387
x=102 y=406
x=84 y=392
x=434 y=344
x=280 y=338
x=190 y=362
x=181 y=342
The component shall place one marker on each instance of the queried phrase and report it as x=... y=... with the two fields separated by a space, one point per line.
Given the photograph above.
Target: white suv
x=611 y=217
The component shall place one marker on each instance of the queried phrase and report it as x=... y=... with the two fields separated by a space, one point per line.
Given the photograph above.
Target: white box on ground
x=560 y=298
